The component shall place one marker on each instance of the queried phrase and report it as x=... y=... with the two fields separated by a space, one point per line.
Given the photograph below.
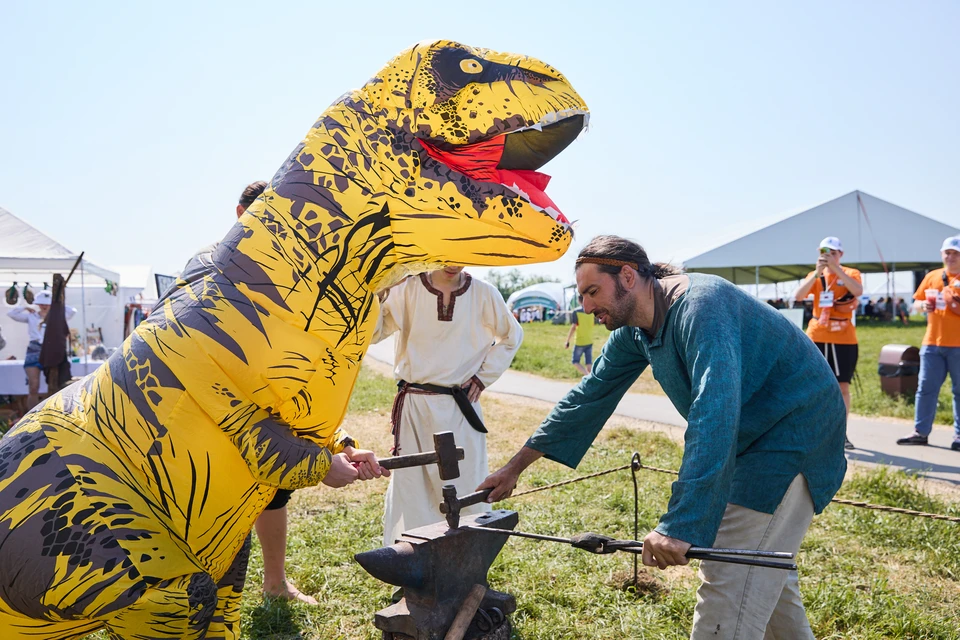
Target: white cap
x=952 y=243
x=832 y=243
x=44 y=297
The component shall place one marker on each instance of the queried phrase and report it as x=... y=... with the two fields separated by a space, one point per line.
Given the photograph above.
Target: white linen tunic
x=475 y=336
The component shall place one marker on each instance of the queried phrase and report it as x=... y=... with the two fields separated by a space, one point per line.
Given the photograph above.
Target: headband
x=608 y=261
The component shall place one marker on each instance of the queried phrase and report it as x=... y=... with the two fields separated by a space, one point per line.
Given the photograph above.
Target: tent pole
x=891 y=280
x=758 y=282
x=83 y=317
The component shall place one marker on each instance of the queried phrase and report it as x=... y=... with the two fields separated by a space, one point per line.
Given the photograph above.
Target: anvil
x=437 y=566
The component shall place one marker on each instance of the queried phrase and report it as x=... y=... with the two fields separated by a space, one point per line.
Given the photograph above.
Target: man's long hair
x=619 y=249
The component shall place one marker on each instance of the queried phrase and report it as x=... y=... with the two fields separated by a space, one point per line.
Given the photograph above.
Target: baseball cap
x=952 y=243
x=832 y=243
x=43 y=297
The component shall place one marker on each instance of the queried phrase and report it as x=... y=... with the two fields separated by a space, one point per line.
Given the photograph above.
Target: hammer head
x=448 y=456
x=450 y=506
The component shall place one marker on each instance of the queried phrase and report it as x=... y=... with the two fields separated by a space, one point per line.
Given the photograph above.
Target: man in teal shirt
x=763 y=449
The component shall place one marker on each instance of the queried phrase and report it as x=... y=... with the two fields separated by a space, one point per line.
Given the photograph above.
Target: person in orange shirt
x=939 y=296
x=836 y=293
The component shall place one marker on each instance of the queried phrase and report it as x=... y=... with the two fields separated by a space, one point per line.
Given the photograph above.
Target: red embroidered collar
x=446 y=314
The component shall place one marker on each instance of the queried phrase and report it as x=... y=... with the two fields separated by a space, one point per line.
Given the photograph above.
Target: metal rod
x=635 y=465
x=758 y=553
x=519 y=534
x=736 y=556
x=731 y=559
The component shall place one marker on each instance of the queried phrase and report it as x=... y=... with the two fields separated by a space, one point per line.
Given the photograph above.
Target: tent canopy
x=872 y=231
x=26 y=251
x=546 y=294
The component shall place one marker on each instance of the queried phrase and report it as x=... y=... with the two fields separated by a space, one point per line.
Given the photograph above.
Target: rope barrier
x=636 y=464
x=566 y=482
x=908 y=512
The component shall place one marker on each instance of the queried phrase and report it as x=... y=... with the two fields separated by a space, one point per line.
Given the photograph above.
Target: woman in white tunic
x=452 y=331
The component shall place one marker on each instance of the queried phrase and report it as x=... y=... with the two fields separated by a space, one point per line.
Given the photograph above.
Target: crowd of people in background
x=882 y=309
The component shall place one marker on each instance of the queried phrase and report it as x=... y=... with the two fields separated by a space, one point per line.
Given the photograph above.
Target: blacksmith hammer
x=452 y=505
x=446 y=456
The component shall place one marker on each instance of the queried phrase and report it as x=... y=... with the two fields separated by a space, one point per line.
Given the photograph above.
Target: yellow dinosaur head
x=438 y=155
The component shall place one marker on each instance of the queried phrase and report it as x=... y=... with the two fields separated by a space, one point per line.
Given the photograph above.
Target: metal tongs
x=597 y=543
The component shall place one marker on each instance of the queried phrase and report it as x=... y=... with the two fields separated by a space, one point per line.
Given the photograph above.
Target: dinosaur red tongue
x=479 y=161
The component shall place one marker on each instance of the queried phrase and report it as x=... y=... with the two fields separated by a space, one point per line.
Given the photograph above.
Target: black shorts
x=280 y=500
x=842 y=358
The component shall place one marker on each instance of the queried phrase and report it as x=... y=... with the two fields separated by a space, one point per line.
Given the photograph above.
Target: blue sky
x=128 y=129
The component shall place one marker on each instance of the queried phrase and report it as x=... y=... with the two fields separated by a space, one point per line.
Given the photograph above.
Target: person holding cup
x=836 y=293
x=939 y=296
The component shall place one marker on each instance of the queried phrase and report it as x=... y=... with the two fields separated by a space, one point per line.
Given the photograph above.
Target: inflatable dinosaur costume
x=126 y=500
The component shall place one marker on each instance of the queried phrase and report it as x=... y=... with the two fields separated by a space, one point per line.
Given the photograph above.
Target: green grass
x=864 y=574
x=542 y=353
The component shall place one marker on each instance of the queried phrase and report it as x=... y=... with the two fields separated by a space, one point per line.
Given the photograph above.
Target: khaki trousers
x=754 y=603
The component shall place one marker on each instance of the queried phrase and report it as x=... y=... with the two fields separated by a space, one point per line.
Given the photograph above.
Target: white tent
x=542 y=294
x=25 y=251
x=139 y=283
x=27 y=255
x=873 y=232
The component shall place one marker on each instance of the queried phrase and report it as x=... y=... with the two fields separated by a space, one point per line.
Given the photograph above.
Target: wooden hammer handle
x=465 y=615
x=414 y=460
x=474 y=498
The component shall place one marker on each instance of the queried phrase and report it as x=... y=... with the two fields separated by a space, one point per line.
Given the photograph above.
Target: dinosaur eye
x=470 y=66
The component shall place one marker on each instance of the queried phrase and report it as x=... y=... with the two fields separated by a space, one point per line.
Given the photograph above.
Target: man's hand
x=503 y=482
x=341 y=472
x=663 y=551
x=365 y=463
x=473 y=389
x=567 y=345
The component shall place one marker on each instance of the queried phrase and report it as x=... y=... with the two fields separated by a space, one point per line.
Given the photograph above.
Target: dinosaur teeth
x=556 y=116
x=550 y=211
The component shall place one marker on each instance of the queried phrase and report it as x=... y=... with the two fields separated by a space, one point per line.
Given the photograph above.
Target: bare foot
x=288 y=591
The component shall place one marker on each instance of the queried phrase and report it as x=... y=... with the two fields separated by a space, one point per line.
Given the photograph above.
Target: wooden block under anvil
x=437 y=566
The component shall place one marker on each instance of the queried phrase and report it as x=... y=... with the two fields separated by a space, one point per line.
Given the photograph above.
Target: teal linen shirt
x=760 y=401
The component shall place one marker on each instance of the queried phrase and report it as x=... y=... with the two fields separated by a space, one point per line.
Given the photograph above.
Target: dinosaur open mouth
x=512 y=159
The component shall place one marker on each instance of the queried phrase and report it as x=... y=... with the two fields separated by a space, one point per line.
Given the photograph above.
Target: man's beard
x=621 y=311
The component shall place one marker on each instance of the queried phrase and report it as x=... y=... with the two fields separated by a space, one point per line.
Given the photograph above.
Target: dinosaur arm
x=278 y=458
x=342 y=439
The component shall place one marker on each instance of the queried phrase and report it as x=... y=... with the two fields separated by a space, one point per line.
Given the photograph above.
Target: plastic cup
x=931 y=295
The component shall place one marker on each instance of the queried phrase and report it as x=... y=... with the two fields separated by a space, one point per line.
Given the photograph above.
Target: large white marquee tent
x=877 y=237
